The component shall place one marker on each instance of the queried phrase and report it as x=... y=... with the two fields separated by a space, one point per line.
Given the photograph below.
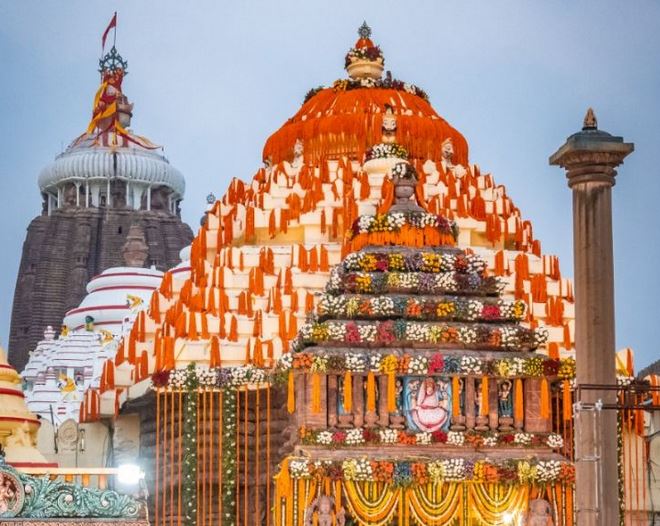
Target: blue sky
x=211 y=80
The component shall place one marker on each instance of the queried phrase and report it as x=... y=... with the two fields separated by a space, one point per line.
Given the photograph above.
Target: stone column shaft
x=590 y=158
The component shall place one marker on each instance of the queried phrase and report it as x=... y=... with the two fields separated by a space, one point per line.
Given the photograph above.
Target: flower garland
x=386 y=83
x=228 y=458
x=387 y=436
x=445 y=308
x=421 y=471
x=386 y=151
x=401 y=332
x=435 y=284
x=394 y=221
x=189 y=490
x=230 y=379
x=371 y=53
x=222 y=378
x=427 y=260
x=432 y=364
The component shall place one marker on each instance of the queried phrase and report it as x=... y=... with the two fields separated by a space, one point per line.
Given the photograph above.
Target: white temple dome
x=85 y=161
x=114 y=295
x=109 y=165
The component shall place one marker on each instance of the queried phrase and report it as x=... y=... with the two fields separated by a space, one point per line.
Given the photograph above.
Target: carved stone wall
x=63 y=251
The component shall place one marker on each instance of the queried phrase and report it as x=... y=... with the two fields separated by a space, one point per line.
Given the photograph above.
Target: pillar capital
x=591 y=155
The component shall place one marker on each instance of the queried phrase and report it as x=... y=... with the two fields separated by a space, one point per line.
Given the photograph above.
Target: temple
x=365 y=333
x=109 y=183
x=490 y=339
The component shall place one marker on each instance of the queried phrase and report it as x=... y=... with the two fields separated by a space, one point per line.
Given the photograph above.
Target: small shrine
x=415 y=389
x=18 y=426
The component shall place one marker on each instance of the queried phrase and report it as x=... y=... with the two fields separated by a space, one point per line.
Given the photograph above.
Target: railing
x=100 y=478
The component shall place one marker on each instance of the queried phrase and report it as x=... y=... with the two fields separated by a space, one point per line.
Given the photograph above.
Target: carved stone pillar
x=383 y=414
x=469 y=402
x=590 y=158
x=534 y=422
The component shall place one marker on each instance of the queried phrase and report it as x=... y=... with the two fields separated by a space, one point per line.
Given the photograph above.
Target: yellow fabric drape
x=490 y=502
x=436 y=503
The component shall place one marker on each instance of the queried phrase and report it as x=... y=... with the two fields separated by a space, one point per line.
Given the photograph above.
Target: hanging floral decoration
x=386 y=436
x=187 y=380
x=428 y=260
x=395 y=221
x=399 y=333
x=386 y=151
x=421 y=471
x=386 y=83
x=228 y=459
x=447 y=308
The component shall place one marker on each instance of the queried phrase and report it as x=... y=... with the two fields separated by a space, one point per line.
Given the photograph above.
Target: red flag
x=113 y=23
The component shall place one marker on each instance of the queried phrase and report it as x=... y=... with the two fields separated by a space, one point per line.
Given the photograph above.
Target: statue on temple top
x=389 y=126
x=448 y=159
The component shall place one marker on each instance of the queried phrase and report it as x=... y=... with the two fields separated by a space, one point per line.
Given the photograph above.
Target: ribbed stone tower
x=590 y=158
x=107 y=183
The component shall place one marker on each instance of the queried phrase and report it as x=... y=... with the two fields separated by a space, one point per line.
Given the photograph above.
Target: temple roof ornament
x=365 y=60
x=364 y=30
x=110 y=149
x=113 y=62
x=590 y=121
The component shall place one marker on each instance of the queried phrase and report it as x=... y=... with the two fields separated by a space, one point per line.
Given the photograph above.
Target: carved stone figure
x=7 y=494
x=67 y=435
x=448 y=159
x=70 y=192
x=504 y=399
x=389 y=126
x=428 y=404
x=325 y=509
x=539 y=513
x=298 y=150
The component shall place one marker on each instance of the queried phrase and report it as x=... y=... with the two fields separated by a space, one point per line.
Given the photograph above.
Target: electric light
x=129 y=474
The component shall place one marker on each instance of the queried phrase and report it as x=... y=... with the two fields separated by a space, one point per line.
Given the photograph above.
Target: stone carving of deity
x=539 y=513
x=326 y=513
x=448 y=159
x=398 y=389
x=389 y=126
x=505 y=403
x=429 y=406
x=7 y=493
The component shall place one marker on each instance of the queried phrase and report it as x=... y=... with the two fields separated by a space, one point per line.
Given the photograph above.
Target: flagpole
x=114 y=36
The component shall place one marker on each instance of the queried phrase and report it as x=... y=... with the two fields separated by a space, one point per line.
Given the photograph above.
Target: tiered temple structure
x=201 y=372
x=417 y=396
x=109 y=187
